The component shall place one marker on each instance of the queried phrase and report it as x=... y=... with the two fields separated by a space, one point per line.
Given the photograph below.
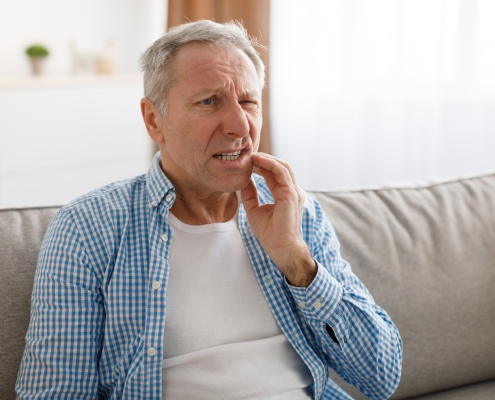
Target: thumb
x=249 y=196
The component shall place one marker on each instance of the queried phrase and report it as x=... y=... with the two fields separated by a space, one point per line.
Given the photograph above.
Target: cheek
x=179 y=138
x=189 y=147
x=256 y=124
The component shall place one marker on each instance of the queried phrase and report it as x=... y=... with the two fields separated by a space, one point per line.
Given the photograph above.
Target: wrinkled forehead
x=203 y=63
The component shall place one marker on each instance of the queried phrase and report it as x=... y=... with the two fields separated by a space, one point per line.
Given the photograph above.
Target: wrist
x=301 y=270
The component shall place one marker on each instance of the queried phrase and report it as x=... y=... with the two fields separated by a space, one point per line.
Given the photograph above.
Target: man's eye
x=249 y=102
x=207 y=102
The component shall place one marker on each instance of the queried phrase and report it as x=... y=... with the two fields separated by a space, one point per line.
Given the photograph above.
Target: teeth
x=229 y=156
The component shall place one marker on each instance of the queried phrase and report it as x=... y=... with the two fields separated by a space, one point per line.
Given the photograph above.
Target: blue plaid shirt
x=98 y=314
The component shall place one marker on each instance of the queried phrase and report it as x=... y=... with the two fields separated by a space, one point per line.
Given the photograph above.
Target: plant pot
x=37 y=65
x=104 y=65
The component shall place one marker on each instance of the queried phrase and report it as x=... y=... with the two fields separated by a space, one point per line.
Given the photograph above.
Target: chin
x=235 y=183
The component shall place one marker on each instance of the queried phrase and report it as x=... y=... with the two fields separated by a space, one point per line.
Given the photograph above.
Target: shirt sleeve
x=366 y=348
x=67 y=315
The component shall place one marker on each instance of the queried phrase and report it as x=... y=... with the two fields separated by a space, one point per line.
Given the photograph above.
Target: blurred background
x=359 y=92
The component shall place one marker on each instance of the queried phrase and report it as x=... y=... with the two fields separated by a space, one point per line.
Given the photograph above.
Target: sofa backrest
x=427 y=254
x=21 y=233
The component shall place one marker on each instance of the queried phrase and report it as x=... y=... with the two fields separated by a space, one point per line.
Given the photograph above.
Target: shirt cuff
x=321 y=298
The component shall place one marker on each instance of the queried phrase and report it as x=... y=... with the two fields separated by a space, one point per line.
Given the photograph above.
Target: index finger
x=281 y=174
x=284 y=163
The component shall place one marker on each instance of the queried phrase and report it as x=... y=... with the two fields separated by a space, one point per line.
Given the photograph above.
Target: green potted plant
x=37 y=53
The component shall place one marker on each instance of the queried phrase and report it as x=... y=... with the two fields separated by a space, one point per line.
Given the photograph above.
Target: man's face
x=214 y=109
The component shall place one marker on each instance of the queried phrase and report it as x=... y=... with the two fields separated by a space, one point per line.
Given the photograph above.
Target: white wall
x=132 y=24
x=62 y=136
x=61 y=140
x=371 y=92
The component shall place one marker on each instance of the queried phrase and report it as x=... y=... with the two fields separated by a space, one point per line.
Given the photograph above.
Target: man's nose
x=235 y=121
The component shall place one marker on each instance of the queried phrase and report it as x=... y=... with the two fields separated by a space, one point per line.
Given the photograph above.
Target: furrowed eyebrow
x=250 y=94
x=220 y=89
x=215 y=89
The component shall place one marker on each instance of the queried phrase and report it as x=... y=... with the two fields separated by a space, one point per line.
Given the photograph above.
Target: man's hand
x=277 y=226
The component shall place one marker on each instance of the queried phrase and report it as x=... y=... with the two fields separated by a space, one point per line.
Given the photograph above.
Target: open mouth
x=228 y=156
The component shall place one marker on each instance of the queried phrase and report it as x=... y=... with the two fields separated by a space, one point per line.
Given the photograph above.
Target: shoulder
x=116 y=195
x=107 y=207
x=94 y=223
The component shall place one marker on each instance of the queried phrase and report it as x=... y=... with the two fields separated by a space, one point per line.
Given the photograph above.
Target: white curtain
x=368 y=92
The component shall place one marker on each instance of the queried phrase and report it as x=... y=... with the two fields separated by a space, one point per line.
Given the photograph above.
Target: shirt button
x=302 y=304
x=317 y=305
x=156 y=285
x=164 y=237
x=153 y=204
x=168 y=197
x=151 y=351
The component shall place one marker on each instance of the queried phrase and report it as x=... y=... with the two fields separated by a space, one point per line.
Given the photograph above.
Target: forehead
x=199 y=64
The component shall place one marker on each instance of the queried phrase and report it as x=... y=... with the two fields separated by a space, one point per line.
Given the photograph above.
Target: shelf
x=67 y=81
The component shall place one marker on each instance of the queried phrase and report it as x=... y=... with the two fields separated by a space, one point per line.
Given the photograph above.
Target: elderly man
x=200 y=280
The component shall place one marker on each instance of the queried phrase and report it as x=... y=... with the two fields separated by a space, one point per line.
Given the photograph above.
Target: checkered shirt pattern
x=98 y=314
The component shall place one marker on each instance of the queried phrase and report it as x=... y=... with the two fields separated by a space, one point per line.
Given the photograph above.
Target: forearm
x=366 y=349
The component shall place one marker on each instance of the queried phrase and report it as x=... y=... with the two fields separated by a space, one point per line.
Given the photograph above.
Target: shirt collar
x=158 y=185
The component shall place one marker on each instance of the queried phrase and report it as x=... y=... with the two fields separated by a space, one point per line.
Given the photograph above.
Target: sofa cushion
x=477 y=391
x=427 y=254
x=21 y=234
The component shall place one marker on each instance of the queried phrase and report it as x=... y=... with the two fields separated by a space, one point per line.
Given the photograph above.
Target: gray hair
x=157 y=60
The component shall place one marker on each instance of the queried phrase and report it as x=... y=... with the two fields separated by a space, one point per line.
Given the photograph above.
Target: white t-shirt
x=221 y=339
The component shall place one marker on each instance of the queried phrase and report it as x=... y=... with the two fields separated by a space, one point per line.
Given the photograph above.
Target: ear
x=151 y=118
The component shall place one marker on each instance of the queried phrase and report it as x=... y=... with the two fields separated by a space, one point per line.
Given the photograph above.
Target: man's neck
x=199 y=206
x=215 y=208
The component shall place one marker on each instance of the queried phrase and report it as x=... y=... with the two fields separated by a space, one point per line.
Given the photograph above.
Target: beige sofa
x=426 y=252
